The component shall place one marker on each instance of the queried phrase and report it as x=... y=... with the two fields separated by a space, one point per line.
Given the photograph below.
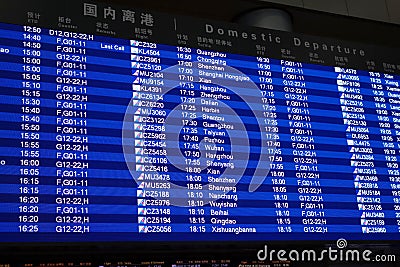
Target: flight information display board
x=120 y=124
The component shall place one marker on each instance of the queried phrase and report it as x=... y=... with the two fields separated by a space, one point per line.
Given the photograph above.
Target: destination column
x=385 y=91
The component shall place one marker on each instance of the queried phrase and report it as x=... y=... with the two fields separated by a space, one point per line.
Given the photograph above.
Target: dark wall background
x=304 y=21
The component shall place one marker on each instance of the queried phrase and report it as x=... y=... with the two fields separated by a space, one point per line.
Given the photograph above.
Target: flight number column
x=151 y=164
x=71 y=166
x=29 y=198
x=355 y=116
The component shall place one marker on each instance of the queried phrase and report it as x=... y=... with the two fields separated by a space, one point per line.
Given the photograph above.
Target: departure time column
x=277 y=171
x=30 y=126
x=190 y=133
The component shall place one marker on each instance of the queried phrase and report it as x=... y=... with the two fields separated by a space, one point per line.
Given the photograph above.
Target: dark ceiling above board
x=305 y=21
